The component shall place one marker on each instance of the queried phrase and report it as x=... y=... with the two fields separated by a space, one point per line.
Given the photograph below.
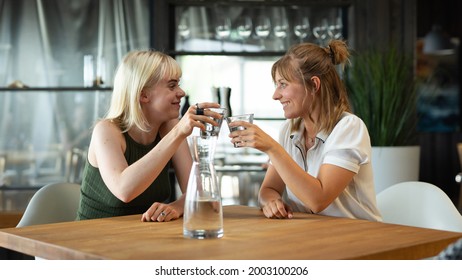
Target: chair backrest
x=75 y=162
x=419 y=204
x=53 y=203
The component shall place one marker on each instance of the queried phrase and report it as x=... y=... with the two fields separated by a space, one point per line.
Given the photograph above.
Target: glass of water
x=245 y=117
x=213 y=130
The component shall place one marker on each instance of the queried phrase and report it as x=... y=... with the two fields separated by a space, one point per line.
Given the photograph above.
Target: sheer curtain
x=49 y=38
x=42 y=44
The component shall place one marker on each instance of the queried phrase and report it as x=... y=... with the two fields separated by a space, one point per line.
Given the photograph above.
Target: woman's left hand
x=160 y=212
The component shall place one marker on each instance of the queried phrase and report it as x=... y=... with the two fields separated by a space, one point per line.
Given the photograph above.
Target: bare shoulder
x=106 y=131
x=106 y=139
x=105 y=128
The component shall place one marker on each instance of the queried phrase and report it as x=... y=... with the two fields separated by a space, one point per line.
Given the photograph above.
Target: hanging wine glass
x=335 y=28
x=183 y=30
x=281 y=27
x=244 y=29
x=223 y=30
x=302 y=28
x=320 y=31
x=263 y=29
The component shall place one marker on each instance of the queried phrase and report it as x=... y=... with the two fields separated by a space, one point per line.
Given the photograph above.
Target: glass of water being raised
x=244 y=117
x=213 y=130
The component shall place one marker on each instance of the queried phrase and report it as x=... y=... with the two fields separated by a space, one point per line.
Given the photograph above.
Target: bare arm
x=270 y=196
x=182 y=163
x=315 y=192
x=128 y=181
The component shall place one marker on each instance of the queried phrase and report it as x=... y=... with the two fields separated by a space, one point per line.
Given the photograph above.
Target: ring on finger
x=163 y=214
x=199 y=111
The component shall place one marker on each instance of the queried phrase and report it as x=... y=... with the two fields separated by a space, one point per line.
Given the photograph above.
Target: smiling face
x=161 y=102
x=294 y=97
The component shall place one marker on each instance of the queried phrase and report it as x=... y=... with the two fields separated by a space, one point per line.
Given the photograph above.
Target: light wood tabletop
x=247 y=235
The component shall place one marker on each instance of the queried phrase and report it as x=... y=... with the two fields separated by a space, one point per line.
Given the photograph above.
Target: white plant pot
x=393 y=165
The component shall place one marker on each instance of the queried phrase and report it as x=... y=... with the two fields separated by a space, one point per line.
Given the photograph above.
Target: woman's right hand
x=277 y=209
x=193 y=117
x=252 y=137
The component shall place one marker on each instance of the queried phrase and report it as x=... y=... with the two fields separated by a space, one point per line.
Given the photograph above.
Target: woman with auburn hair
x=134 y=145
x=322 y=162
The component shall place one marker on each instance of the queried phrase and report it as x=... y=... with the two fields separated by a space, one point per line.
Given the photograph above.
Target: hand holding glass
x=213 y=130
x=246 y=117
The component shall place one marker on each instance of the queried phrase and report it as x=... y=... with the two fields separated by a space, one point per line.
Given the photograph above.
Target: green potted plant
x=382 y=88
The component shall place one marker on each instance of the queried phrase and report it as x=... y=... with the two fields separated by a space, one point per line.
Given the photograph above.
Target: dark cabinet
x=246 y=28
x=365 y=23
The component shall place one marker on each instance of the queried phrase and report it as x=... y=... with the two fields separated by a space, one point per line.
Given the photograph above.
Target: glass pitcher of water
x=203 y=215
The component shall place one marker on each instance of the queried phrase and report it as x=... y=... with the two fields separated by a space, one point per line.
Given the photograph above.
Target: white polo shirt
x=347 y=146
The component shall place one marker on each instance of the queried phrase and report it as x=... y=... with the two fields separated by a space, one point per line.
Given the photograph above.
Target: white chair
x=419 y=204
x=53 y=203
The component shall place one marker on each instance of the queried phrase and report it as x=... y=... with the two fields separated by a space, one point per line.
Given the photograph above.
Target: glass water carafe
x=203 y=215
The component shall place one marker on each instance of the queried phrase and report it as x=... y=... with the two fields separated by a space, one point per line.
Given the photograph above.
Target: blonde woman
x=141 y=136
x=322 y=162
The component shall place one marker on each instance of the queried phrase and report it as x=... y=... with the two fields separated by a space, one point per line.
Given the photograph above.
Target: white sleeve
x=348 y=145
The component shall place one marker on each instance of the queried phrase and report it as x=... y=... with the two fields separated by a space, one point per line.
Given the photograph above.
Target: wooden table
x=248 y=235
x=10 y=218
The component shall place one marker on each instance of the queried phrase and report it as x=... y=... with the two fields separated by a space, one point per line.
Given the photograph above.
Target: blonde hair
x=301 y=63
x=138 y=70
